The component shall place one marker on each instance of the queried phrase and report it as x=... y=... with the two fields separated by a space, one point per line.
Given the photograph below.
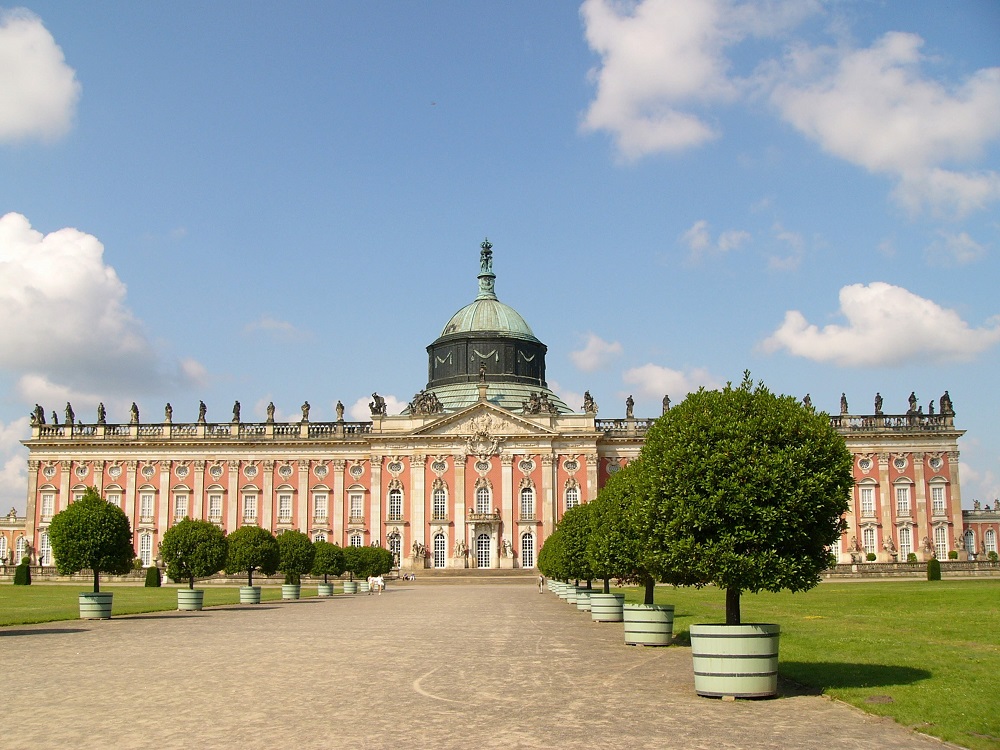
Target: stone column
x=165 y=517
x=921 y=508
x=99 y=476
x=459 y=513
x=418 y=498
x=267 y=496
x=549 y=511
x=507 y=527
x=953 y=502
x=303 y=514
x=30 y=508
x=199 y=509
x=591 y=489
x=337 y=525
x=63 y=498
x=234 y=511
x=375 y=526
x=887 y=511
x=130 y=487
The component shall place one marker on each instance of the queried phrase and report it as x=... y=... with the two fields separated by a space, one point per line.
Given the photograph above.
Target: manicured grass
x=932 y=648
x=40 y=602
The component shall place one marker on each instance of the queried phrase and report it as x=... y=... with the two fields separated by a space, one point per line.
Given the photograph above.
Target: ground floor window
x=20 y=549
x=483 y=550
x=868 y=540
x=396 y=549
x=439 y=550
x=146 y=549
x=527 y=551
x=356 y=540
x=44 y=550
x=970 y=542
x=905 y=543
x=990 y=540
x=941 y=543
x=3 y=548
x=320 y=536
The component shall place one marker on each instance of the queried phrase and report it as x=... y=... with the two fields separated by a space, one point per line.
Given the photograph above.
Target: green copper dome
x=489 y=316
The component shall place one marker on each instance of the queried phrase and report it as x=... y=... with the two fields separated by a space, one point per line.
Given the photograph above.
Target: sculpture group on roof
x=945 y=407
x=425 y=402
x=538 y=403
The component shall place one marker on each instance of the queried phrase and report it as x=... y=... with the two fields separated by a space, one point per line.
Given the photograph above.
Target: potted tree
x=296 y=555
x=251 y=548
x=193 y=549
x=551 y=561
x=619 y=547
x=353 y=565
x=329 y=561
x=92 y=534
x=747 y=492
x=575 y=527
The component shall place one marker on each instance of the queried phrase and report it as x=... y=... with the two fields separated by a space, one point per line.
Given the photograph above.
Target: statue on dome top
x=486 y=257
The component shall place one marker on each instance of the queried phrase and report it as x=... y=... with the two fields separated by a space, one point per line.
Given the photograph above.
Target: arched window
x=3 y=549
x=356 y=540
x=44 y=550
x=483 y=549
x=395 y=505
x=483 y=499
x=868 y=540
x=527 y=551
x=146 y=549
x=284 y=504
x=439 y=550
x=395 y=548
x=990 y=540
x=572 y=497
x=941 y=543
x=527 y=504
x=970 y=542
x=439 y=505
x=905 y=542
x=20 y=549
x=320 y=536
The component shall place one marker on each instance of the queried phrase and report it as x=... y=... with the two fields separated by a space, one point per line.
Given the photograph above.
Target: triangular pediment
x=483 y=418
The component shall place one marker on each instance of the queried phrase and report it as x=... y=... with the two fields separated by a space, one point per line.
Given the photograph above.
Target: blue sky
x=284 y=201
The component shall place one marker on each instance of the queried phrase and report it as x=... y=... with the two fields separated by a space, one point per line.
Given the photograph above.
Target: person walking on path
x=541 y=583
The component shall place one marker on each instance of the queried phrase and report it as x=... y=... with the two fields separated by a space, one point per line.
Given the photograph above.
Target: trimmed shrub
x=911 y=557
x=993 y=556
x=953 y=555
x=871 y=557
x=137 y=564
x=22 y=574
x=933 y=569
x=152 y=577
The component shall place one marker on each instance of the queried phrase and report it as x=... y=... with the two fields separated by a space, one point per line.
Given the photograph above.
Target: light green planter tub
x=95 y=606
x=736 y=660
x=249 y=594
x=190 y=600
x=606 y=607
x=364 y=587
x=350 y=587
x=324 y=589
x=583 y=599
x=291 y=591
x=648 y=625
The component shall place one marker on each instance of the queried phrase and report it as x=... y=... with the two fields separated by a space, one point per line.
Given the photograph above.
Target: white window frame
x=941 y=542
x=905 y=542
x=937 y=499
x=249 y=507
x=147 y=505
x=319 y=536
x=44 y=549
x=440 y=550
x=20 y=549
x=869 y=540
x=395 y=501
x=284 y=507
x=866 y=497
x=357 y=504
x=969 y=538
x=990 y=540
x=572 y=497
x=48 y=504
x=439 y=505
x=527 y=504
x=902 y=499
x=180 y=505
x=146 y=549
x=320 y=505
x=484 y=499
x=215 y=506
x=527 y=550
x=356 y=540
x=115 y=498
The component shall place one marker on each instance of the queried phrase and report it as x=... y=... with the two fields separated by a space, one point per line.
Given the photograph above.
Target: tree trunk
x=97 y=582
x=733 y=606
x=650 y=585
x=250 y=577
x=590 y=584
x=191 y=583
x=607 y=585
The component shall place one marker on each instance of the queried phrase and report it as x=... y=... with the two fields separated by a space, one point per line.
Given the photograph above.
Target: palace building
x=476 y=472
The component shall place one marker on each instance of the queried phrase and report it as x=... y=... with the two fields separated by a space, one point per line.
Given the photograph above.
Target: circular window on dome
x=181 y=471
x=571 y=465
x=900 y=463
x=527 y=466
x=865 y=464
x=357 y=470
x=482 y=466
x=250 y=471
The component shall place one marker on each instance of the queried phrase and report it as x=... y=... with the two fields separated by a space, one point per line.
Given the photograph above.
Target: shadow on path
x=43 y=631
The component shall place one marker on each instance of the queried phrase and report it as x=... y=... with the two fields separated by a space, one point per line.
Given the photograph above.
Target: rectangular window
x=867 y=501
x=180 y=506
x=77 y=496
x=48 y=504
x=356 y=540
x=905 y=543
x=319 y=506
x=357 y=503
x=439 y=510
x=395 y=505
x=115 y=498
x=285 y=507
x=572 y=497
x=937 y=500
x=146 y=505
x=868 y=540
x=45 y=550
x=941 y=543
x=902 y=501
x=249 y=507
x=146 y=549
x=215 y=507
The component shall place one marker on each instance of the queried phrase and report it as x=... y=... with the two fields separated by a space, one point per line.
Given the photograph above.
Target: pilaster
x=337 y=502
x=63 y=498
x=303 y=506
x=548 y=507
x=199 y=507
x=267 y=496
x=418 y=497
x=235 y=502
x=458 y=497
x=165 y=516
x=30 y=506
x=375 y=521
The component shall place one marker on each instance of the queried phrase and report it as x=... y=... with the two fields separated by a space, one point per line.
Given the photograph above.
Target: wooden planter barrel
x=648 y=624
x=736 y=660
x=350 y=587
x=95 y=605
x=249 y=594
x=606 y=607
x=291 y=591
x=583 y=599
x=190 y=600
x=324 y=589
x=364 y=587
x=565 y=590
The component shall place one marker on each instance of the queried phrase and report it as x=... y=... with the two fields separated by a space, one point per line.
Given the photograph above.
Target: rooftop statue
x=486 y=257
x=70 y=416
x=666 y=404
x=102 y=415
x=807 y=401
x=843 y=403
x=340 y=411
x=236 y=412
x=134 y=414
x=878 y=403
x=168 y=413
x=629 y=407
x=305 y=411
x=202 y=410
x=589 y=405
x=270 y=412
x=377 y=405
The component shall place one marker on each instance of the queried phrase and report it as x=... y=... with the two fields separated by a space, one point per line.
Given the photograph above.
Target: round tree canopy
x=91 y=534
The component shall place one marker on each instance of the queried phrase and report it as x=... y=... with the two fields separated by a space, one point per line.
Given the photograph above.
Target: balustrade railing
x=483 y=517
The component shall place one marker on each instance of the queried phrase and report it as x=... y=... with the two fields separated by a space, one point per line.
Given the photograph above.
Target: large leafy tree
x=575 y=528
x=296 y=555
x=193 y=549
x=252 y=548
x=91 y=534
x=329 y=560
x=747 y=491
x=551 y=557
x=618 y=545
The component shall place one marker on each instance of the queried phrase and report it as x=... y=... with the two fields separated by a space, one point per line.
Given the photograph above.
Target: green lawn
x=932 y=648
x=20 y=605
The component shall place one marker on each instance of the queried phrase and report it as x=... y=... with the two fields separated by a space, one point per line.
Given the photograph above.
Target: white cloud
x=874 y=107
x=699 y=241
x=954 y=249
x=572 y=399
x=280 y=330
x=978 y=485
x=795 y=246
x=360 y=412
x=655 y=382
x=886 y=325
x=38 y=90
x=13 y=464
x=596 y=354
x=64 y=322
